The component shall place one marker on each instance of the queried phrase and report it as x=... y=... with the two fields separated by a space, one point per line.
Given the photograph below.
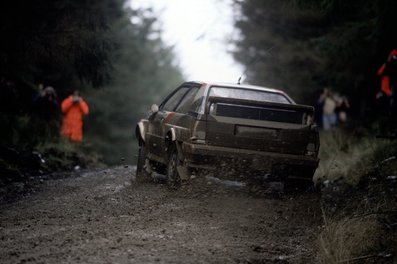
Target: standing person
x=388 y=74
x=46 y=113
x=329 y=115
x=73 y=108
x=342 y=109
x=46 y=105
x=318 y=107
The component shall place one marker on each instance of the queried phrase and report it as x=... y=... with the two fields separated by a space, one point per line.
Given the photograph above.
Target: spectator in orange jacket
x=387 y=72
x=73 y=108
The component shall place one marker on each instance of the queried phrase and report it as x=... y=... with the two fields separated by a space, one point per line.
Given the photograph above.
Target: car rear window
x=246 y=94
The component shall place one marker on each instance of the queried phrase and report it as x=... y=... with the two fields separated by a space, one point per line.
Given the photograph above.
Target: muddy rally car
x=240 y=130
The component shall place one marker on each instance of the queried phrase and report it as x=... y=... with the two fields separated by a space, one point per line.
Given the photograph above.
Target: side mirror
x=154 y=108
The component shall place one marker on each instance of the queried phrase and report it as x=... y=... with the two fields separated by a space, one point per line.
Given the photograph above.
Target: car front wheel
x=173 y=177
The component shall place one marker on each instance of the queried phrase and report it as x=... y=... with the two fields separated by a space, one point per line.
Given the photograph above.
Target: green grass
x=346 y=159
x=360 y=213
x=64 y=155
x=347 y=239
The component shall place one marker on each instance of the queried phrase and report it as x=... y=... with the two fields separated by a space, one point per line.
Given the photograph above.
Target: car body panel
x=246 y=133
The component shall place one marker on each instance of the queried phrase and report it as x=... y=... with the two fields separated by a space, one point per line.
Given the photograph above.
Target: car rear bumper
x=216 y=157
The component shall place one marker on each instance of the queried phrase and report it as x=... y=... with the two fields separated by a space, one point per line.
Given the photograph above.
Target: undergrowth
x=358 y=178
x=19 y=165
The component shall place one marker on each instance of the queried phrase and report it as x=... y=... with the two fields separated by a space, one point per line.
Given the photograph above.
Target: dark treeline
x=305 y=45
x=114 y=55
x=58 y=42
x=143 y=72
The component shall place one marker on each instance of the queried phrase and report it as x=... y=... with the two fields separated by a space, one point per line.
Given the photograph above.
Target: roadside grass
x=349 y=238
x=340 y=156
x=32 y=150
x=63 y=155
x=359 y=199
x=46 y=157
x=348 y=160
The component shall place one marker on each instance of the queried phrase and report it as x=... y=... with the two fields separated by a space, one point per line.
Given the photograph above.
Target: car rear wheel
x=141 y=172
x=173 y=177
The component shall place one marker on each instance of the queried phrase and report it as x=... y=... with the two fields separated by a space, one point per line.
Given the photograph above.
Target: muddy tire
x=173 y=177
x=141 y=174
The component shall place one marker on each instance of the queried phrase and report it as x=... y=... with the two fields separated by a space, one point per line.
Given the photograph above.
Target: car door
x=156 y=128
x=182 y=118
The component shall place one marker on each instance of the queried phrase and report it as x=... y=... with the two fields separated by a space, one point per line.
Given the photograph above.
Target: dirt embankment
x=101 y=217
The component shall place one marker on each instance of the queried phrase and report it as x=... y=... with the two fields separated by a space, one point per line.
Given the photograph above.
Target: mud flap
x=147 y=167
x=183 y=172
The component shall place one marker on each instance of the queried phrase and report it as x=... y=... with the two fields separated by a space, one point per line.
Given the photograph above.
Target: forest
x=117 y=59
x=303 y=46
x=120 y=68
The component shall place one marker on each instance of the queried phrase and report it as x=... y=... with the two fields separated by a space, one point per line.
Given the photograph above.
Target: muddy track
x=102 y=217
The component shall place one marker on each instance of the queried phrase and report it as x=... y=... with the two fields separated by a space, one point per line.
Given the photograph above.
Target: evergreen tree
x=144 y=71
x=83 y=45
x=302 y=46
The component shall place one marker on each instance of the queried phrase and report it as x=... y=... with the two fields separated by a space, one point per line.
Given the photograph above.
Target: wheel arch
x=170 y=138
x=140 y=132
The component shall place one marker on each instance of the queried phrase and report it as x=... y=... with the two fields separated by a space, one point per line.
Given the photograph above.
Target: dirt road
x=101 y=217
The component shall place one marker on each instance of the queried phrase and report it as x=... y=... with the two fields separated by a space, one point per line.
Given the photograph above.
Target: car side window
x=173 y=101
x=186 y=102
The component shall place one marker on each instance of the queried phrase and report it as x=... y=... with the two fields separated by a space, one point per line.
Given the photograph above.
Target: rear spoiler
x=296 y=107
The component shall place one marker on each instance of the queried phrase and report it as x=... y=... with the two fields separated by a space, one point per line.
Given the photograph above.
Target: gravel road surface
x=102 y=216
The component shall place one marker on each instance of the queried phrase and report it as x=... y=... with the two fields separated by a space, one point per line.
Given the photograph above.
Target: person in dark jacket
x=46 y=113
x=46 y=104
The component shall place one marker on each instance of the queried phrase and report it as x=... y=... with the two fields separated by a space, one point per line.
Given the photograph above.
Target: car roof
x=240 y=86
x=233 y=85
